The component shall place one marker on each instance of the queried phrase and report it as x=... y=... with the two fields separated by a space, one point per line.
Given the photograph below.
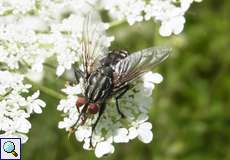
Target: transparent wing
x=134 y=65
x=94 y=41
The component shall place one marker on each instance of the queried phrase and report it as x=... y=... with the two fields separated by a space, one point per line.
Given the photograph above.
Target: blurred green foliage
x=191 y=109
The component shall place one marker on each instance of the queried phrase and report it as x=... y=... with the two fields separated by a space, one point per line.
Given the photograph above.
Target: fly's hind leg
x=123 y=91
x=101 y=111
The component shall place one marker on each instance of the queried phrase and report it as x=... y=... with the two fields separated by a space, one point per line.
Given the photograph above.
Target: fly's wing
x=94 y=42
x=134 y=65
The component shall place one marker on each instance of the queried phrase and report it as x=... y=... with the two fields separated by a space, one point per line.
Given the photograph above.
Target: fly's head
x=85 y=109
x=88 y=107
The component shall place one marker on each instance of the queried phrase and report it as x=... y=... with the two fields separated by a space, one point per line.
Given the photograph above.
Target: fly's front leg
x=78 y=74
x=101 y=111
x=123 y=91
x=76 y=125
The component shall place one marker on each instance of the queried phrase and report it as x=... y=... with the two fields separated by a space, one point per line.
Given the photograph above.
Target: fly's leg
x=76 y=125
x=78 y=74
x=124 y=90
x=101 y=111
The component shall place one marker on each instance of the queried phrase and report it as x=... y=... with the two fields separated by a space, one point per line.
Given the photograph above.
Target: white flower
x=17 y=6
x=149 y=79
x=66 y=123
x=144 y=132
x=72 y=89
x=121 y=136
x=22 y=125
x=170 y=13
x=66 y=104
x=21 y=45
x=141 y=129
x=34 y=104
x=28 y=40
x=129 y=9
x=104 y=148
x=84 y=132
x=175 y=26
x=14 y=108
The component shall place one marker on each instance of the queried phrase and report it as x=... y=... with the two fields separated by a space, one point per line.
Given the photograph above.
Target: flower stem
x=6 y=94
x=116 y=23
x=50 y=66
x=45 y=89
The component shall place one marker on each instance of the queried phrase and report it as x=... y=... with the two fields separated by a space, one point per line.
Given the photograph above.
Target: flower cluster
x=16 y=7
x=21 y=46
x=32 y=33
x=125 y=9
x=15 y=109
x=23 y=51
x=170 y=13
x=112 y=128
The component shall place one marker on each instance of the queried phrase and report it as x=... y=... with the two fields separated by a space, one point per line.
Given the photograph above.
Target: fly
x=110 y=76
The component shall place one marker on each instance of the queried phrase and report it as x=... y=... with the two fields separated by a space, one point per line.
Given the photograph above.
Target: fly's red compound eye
x=80 y=102
x=92 y=108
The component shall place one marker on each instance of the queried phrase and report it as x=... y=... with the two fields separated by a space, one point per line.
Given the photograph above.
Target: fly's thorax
x=99 y=85
x=113 y=57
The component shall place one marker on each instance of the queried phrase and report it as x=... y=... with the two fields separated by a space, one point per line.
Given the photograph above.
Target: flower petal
x=142 y=118
x=103 y=148
x=132 y=133
x=23 y=125
x=37 y=109
x=146 y=125
x=145 y=136
x=144 y=132
x=121 y=136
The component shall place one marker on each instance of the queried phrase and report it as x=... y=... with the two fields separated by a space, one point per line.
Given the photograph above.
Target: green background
x=190 y=112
